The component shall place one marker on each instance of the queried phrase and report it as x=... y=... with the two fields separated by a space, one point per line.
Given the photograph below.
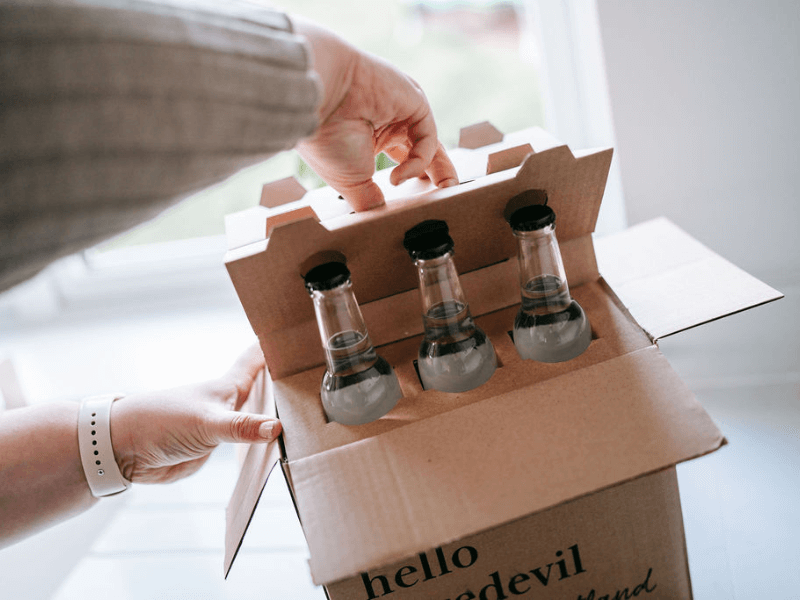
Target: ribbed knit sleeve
x=112 y=110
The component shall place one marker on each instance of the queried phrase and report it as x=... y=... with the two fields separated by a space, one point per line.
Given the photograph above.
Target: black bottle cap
x=326 y=276
x=429 y=239
x=532 y=217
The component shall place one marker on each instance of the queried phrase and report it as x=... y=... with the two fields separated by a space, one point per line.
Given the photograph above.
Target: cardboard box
x=550 y=480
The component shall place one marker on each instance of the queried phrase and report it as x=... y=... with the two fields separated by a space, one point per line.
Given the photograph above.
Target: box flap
x=670 y=282
x=378 y=500
x=259 y=462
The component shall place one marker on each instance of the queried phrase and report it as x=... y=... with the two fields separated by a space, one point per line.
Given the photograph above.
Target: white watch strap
x=97 y=454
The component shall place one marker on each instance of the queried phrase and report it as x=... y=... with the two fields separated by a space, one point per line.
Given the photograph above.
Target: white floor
x=740 y=504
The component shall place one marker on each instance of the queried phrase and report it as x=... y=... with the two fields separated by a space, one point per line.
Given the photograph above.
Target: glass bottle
x=550 y=326
x=455 y=354
x=359 y=386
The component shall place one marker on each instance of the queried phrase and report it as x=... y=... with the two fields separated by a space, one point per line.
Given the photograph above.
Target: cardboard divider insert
x=269 y=283
x=298 y=401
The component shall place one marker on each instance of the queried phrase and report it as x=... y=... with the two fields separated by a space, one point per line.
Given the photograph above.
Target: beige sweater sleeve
x=111 y=110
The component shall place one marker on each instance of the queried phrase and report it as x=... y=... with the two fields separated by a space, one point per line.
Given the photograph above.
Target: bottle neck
x=438 y=284
x=341 y=328
x=542 y=280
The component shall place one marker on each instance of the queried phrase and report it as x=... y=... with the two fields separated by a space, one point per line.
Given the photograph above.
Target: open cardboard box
x=550 y=480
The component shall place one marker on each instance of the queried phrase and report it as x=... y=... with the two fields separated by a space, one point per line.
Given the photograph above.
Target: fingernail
x=448 y=183
x=266 y=430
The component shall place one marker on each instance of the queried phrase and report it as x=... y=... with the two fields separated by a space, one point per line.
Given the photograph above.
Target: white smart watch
x=97 y=454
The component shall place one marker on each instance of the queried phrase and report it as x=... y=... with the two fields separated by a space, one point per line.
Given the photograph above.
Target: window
x=516 y=64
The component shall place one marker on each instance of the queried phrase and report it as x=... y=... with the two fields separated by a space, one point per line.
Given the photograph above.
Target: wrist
x=333 y=59
x=122 y=437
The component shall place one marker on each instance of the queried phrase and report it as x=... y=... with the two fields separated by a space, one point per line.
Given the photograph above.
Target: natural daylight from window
x=475 y=59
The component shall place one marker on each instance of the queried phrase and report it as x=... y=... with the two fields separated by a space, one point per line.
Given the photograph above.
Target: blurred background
x=700 y=102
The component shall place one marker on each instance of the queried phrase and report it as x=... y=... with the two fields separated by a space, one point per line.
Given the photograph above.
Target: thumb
x=231 y=426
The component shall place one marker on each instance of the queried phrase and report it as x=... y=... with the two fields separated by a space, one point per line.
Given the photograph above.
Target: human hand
x=369 y=106
x=160 y=437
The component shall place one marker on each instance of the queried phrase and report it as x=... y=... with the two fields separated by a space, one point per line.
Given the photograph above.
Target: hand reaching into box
x=164 y=436
x=157 y=437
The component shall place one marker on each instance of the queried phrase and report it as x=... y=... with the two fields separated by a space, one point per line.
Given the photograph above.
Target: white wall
x=573 y=83
x=705 y=99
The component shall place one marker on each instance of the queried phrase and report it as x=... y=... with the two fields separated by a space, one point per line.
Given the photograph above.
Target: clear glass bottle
x=455 y=354
x=550 y=326
x=359 y=386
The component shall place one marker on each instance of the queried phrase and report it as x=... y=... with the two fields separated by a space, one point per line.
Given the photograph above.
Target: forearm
x=41 y=477
x=127 y=107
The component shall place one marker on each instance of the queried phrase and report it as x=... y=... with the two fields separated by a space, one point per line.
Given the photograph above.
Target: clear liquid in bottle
x=550 y=326
x=358 y=386
x=455 y=354
x=362 y=387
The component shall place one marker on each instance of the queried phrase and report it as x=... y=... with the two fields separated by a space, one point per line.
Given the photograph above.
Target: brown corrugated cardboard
x=479 y=135
x=444 y=470
x=579 y=549
x=670 y=282
x=279 y=310
x=631 y=411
